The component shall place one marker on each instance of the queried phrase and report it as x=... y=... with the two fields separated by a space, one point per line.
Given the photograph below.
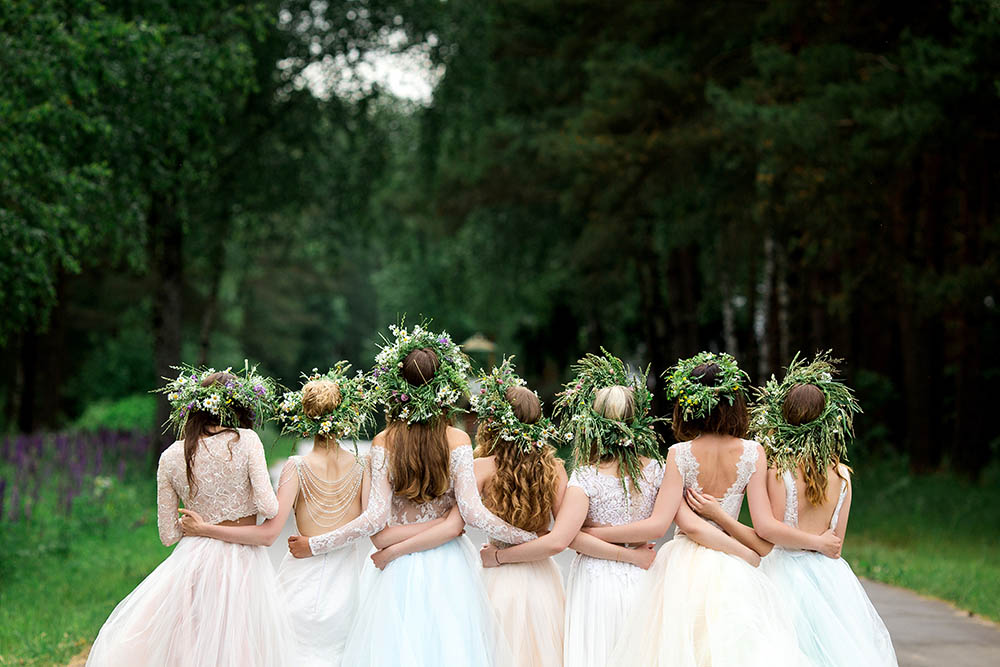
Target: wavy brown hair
x=523 y=490
x=724 y=419
x=804 y=403
x=201 y=423
x=418 y=452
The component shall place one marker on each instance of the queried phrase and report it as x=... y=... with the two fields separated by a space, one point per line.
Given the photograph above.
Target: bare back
x=330 y=489
x=718 y=458
x=787 y=493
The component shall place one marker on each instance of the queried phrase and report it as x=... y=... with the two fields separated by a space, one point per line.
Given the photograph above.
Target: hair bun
x=320 y=397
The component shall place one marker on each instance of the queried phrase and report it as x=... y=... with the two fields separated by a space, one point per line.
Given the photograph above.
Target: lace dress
x=600 y=593
x=322 y=593
x=430 y=608
x=210 y=602
x=835 y=621
x=701 y=607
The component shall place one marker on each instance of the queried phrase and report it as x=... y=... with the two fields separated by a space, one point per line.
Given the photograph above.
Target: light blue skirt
x=835 y=621
x=427 y=609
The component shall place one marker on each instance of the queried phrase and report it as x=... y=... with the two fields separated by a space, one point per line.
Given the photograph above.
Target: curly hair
x=523 y=490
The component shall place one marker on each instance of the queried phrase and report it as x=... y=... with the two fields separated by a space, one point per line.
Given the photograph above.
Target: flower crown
x=347 y=420
x=697 y=400
x=246 y=389
x=823 y=439
x=492 y=405
x=440 y=395
x=584 y=426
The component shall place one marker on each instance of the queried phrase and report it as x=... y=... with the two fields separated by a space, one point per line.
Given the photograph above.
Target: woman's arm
x=448 y=529
x=260 y=478
x=469 y=502
x=775 y=531
x=707 y=506
x=571 y=516
x=840 y=529
x=642 y=556
x=395 y=534
x=258 y=535
x=668 y=500
x=167 y=503
x=707 y=535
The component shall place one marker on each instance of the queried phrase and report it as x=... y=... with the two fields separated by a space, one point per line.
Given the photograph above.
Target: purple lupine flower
x=121 y=469
x=14 y=500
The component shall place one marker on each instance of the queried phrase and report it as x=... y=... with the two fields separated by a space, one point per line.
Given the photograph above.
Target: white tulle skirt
x=700 y=607
x=322 y=596
x=427 y=609
x=210 y=603
x=529 y=603
x=835 y=621
x=600 y=595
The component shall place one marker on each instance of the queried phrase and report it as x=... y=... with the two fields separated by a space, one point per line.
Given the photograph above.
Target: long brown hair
x=724 y=419
x=523 y=490
x=200 y=423
x=804 y=403
x=418 y=452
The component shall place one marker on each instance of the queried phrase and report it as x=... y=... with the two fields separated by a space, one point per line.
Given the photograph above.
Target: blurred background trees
x=206 y=182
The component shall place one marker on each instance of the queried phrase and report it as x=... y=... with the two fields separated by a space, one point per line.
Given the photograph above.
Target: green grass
x=935 y=534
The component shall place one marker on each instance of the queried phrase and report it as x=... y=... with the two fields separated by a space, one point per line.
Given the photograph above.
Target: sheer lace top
x=611 y=503
x=792 y=501
x=732 y=500
x=231 y=482
x=394 y=510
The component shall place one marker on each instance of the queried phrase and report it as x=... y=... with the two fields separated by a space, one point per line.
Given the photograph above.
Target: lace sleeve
x=369 y=522
x=580 y=479
x=166 y=507
x=260 y=479
x=471 y=505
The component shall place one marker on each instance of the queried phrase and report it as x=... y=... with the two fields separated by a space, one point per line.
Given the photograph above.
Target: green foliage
x=135 y=412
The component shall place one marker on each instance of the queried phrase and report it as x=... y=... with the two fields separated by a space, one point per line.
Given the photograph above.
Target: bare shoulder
x=457 y=438
x=379 y=439
x=561 y=475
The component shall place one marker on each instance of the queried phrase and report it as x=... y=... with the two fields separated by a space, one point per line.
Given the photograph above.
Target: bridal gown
x=835 y=621
x=601 y=593
x=699 y=607
x=210 y=603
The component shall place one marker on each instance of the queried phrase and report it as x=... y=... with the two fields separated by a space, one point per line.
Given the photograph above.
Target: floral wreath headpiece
x=697 y=400
x=823 y=439
x=439 y=396
x=580 y=423
x=491 y=404
x=347 y=420
x=246 y=389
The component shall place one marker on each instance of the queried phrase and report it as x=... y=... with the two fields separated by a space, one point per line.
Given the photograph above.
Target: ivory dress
x=429 y=608
x=835 y=621
x=322 y=593
x=600 y=593
x=699 y=607
x=210 y=602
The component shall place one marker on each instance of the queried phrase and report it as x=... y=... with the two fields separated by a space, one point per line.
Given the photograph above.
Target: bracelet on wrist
x=496 y=556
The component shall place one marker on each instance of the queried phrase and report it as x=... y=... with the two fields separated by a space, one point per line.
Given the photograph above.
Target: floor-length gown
x=210 y=603
x=836 y=623
x=430 y=608
x=703 y=608
x=601 y=593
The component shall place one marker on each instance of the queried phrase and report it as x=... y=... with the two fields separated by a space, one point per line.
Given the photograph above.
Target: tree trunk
x=762 y=313
x=166 y=262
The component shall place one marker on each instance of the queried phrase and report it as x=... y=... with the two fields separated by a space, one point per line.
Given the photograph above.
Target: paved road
x=924 y=631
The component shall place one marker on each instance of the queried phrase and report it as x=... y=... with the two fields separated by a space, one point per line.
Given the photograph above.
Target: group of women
x=719 y=593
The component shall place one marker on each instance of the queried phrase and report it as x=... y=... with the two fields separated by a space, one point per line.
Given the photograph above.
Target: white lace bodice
x=792 y=501
x=732 y=500
x=612 y=504
x=231 y=482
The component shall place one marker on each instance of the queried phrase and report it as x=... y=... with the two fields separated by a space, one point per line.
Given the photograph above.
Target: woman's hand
x=299 y=546
x=643 y=556
x=488 y=554
x=704 y=505
x=829 y=544
x=191 y=523
x=383 y=557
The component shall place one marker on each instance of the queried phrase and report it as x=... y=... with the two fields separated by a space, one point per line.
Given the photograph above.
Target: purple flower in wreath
x=230 y=385
x=259 y=389
x=444 y=340
x=404 y=398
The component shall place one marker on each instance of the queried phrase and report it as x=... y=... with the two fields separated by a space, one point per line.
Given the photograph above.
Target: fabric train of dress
x=600 y=594
x=529 y=603
x=835 y=621
x=209 y=603
x=699 y=607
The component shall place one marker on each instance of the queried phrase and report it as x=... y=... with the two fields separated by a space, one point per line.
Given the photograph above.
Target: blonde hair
x=523 y=490
x=320 y=397
x=616 y=402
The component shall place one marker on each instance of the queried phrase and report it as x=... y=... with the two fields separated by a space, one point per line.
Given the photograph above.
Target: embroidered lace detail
x=612 y=505
x=231 y=481
x=470 y=504
x=791 y=499
x=373 y=519
x=732 y=500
